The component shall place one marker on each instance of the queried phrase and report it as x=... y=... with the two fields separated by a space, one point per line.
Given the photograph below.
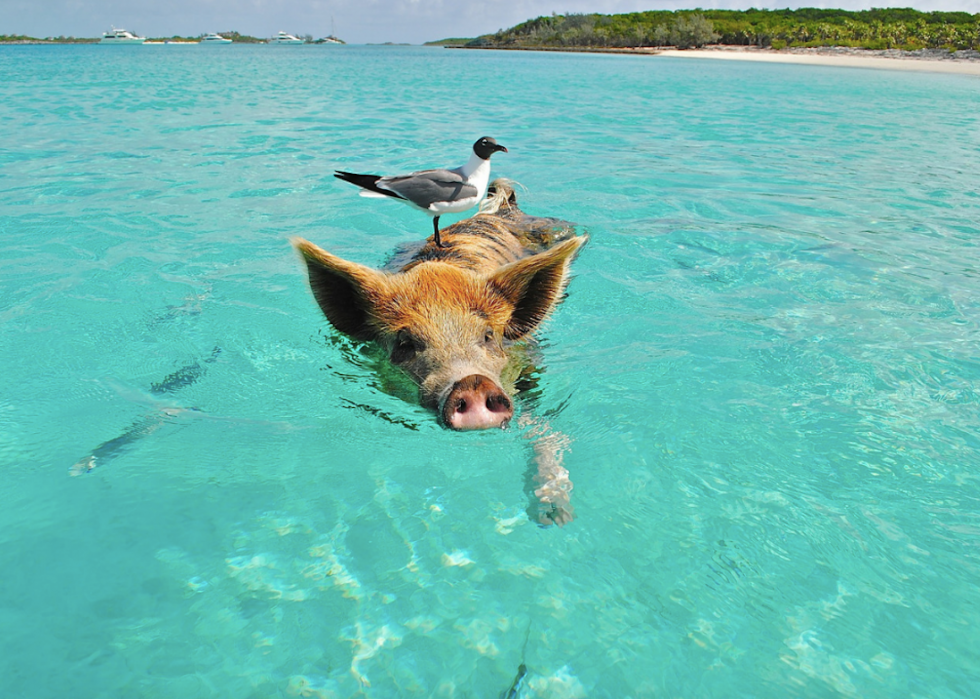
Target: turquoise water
x=767 y=367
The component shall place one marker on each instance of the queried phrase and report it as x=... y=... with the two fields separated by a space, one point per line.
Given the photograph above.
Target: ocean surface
x=767 y=369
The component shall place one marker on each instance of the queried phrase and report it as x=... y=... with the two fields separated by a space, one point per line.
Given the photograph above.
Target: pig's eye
x=488 y=337
x=406 y=347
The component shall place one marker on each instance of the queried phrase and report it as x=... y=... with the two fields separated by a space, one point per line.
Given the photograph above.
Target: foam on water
x=766 y=369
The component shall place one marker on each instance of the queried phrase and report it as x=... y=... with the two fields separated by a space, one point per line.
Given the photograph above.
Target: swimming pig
x=454 y=317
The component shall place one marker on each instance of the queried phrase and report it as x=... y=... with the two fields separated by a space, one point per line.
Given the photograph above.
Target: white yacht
x=214 y=40
x=121 y=36
x=284 y=38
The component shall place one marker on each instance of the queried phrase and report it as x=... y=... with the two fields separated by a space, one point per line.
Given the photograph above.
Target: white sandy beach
x=848 y=58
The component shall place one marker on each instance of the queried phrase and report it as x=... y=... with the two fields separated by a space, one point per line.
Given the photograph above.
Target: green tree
x=692 y=31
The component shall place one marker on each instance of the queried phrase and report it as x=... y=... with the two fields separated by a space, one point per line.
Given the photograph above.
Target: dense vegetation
x=11 y=39
x=874 y=29
x=448 y=42
x=241 y=38
x=21 y=39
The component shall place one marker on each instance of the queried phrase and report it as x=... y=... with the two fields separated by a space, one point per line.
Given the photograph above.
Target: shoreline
x=641 y=50
x=927 y=60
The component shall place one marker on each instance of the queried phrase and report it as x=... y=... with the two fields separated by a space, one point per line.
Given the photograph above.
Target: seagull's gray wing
x=429 y=187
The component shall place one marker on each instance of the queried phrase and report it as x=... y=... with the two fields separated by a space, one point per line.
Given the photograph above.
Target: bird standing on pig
x=454 y=317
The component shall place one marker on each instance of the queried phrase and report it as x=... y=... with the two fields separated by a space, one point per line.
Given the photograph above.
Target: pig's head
x=447 y=327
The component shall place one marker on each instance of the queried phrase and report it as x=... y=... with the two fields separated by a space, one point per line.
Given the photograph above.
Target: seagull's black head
x=486 y=147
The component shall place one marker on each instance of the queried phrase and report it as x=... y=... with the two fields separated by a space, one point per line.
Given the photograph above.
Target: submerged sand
x=962 y=62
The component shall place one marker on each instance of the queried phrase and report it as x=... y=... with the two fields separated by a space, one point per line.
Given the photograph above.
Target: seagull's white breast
x=476 y=172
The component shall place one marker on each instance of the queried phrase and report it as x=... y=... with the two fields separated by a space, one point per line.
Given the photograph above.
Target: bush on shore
x=874 y=29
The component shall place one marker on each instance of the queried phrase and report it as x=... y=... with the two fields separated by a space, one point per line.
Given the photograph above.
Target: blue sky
x=356 y=21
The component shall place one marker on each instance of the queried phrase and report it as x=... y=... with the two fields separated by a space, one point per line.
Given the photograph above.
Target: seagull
x=436 y=192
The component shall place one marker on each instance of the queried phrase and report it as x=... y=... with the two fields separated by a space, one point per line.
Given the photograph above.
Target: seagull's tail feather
x=369 y=183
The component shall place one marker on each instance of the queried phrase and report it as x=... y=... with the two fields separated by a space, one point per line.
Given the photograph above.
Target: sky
x=355 y=21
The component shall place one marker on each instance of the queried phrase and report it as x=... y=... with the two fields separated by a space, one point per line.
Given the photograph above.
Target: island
x=900 y=29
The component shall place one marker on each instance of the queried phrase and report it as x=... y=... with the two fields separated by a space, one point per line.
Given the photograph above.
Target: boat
x=332 y=38
x=286 y=39
x=121 y=36
x=214 y=40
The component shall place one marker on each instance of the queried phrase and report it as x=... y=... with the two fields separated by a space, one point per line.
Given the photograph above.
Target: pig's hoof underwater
x=552 y=513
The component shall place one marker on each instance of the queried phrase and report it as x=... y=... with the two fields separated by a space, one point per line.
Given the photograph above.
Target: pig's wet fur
x=454 y=317
x=533 y=233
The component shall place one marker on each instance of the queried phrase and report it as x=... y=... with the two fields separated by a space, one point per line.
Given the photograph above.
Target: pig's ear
x=533 y=286
x=346 y=291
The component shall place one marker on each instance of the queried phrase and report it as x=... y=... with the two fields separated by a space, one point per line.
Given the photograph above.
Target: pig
x=456 y=318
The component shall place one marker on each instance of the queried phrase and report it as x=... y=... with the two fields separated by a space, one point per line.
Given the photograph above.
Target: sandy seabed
x=962 y=62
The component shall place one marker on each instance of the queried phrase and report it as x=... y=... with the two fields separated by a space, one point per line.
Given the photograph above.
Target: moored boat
x=121 y=36
x=213 y=39
x=286 y=39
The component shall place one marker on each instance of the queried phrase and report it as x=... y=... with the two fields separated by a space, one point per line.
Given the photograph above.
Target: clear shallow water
x=767 y=365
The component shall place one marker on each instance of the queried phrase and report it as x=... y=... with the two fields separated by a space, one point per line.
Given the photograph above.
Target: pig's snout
x=476 y=403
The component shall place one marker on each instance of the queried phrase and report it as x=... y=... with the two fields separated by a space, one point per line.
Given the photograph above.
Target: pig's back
x=484 y=242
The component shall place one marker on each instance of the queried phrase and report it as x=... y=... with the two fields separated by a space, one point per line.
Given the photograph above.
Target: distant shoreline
x=926 y=60
x=42 y=42
x=643 y=50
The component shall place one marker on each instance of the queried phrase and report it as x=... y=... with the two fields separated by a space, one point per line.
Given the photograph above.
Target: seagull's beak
x=499 y=149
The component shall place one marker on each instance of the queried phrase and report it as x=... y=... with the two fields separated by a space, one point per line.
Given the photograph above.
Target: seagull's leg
x=435 y=227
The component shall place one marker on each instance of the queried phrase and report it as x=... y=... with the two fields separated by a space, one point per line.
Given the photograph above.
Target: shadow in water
x=148 y=424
